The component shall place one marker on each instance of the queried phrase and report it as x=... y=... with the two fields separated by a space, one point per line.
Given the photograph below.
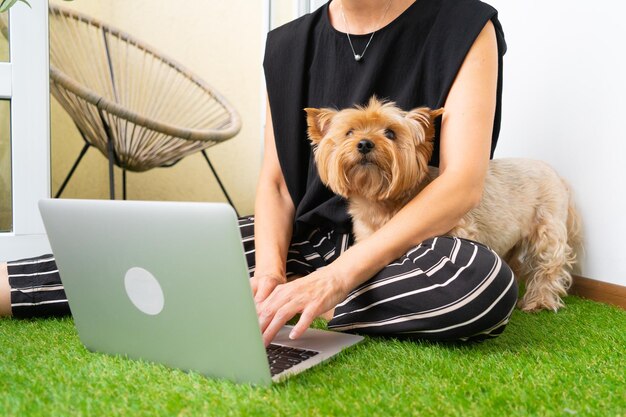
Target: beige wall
x=5 y=149
x=219 y=41
x=6 y=218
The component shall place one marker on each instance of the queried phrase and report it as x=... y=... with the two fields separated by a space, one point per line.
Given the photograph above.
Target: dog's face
x=378 y=151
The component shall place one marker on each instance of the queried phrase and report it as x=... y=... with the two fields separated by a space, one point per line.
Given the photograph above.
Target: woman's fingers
x=254 y=285
x=266 y=315
x=279 y=319
x=283 y=315
x=268 y=309
x=263 y=291
x=263 y=286
x=281 y=306
x=306 y=318
x=311 y=296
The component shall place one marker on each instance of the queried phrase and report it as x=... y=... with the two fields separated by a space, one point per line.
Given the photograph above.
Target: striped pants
x=445 y=289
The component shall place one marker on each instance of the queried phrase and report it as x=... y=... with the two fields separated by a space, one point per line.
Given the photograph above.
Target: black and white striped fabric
x=36 y=289
x=446 y=288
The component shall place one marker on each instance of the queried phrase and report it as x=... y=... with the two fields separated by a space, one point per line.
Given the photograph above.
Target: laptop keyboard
x=282 y=358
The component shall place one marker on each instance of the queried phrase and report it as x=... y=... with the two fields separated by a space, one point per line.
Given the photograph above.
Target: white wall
x=565 y=102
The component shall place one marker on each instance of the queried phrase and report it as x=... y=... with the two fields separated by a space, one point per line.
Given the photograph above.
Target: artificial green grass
x=569 y=363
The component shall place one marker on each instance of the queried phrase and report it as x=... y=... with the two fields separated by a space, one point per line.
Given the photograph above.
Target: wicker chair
x=139 y=108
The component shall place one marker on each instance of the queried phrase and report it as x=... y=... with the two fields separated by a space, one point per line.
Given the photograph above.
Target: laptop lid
x=199 y=314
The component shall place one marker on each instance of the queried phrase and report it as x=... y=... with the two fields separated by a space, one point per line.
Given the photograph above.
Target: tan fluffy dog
x=377 y=157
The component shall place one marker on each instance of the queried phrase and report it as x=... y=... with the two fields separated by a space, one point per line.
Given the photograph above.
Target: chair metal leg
x=69 y=175
x=111 y=171
x=206 y=157
x=111 y=154
x=124 y=183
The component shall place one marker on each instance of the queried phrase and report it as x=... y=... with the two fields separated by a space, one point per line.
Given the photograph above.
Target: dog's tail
x=574 y=228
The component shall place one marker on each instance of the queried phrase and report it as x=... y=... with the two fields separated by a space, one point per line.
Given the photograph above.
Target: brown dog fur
x=526 y=214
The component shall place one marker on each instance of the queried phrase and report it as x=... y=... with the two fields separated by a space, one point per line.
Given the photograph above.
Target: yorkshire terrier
x=376 y=156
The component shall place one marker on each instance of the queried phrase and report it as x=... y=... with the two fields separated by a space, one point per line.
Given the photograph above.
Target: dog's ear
x=426 y=118
x=424 y=131
x=318 y=121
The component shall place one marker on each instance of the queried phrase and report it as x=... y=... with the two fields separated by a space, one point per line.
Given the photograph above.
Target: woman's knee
x=446 y=289
x=481 y=297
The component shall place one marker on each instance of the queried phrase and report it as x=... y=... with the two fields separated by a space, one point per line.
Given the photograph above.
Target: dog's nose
x=365 y=146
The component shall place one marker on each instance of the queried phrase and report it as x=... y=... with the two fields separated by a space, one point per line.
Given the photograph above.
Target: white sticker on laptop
x=144 y=291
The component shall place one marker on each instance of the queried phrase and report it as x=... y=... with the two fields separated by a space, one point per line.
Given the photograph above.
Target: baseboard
x=603 y=292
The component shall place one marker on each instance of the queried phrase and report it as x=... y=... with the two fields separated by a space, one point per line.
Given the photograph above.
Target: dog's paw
x=534 y=306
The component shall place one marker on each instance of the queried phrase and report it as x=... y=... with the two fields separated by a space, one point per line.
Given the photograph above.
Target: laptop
x=168 y=282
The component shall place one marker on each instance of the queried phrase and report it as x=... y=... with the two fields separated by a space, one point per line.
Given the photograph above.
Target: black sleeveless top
x=412 y=61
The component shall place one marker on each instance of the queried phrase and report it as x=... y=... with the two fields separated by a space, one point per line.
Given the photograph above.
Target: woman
x=405 y=280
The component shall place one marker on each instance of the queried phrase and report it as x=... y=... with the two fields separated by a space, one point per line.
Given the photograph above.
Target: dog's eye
x=390 y=134
x=349 y=132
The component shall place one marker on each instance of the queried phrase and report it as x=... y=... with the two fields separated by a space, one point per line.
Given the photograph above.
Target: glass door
x=283 y=11
x=6 y=199
x=24 y=129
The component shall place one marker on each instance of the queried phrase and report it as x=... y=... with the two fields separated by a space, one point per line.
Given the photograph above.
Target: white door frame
x=25 y=81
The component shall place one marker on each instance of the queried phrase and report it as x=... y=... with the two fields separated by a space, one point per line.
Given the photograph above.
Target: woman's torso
x=412 y=61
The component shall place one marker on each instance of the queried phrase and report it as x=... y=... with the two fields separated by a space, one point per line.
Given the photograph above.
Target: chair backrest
x=107 y=80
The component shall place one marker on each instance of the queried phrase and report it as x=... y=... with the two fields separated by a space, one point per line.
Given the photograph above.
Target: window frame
x=25 y=81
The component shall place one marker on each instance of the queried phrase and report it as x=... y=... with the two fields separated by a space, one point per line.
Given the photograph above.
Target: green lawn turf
x=569 y=363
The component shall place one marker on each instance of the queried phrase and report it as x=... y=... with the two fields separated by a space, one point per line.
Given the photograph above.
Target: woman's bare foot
x=5 y=291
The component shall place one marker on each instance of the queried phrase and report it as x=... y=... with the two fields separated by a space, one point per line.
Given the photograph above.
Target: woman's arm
x=465 y=141
x=273 y=221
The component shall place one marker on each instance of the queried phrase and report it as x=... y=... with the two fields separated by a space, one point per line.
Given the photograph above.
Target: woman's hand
x=264 y=284
x=311 y=295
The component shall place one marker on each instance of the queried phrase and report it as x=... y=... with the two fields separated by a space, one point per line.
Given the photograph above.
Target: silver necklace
x=358 y=57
